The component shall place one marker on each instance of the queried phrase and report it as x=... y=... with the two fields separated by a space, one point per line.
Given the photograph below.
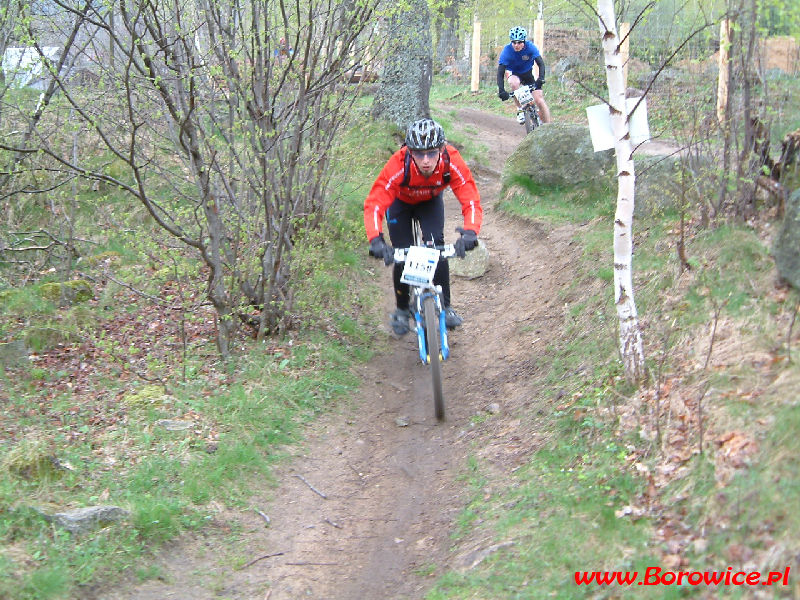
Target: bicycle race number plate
x=420 y=265
x=523 y=95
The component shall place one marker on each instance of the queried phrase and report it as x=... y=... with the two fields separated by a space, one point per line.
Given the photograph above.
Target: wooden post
x=476 y=55
x=538 y=38
x=724 y=69
x=538 y=34
x=624 y=50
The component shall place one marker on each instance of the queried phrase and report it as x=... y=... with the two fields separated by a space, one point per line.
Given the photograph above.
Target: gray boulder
x=568 y=63
x=558 y=154
x=657 y=184
x=83 y=520
x=786 y=248
x=13 y=354
x=474 y=265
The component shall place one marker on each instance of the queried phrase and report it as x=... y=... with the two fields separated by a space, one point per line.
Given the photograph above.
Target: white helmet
x=424 y=134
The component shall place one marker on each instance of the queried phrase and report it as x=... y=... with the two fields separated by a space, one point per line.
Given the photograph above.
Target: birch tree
x=630 y=336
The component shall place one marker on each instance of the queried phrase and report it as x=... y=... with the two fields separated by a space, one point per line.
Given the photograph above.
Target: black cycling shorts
x=527 y=78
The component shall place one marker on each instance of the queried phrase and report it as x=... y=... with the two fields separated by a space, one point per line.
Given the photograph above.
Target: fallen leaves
x=734 y=451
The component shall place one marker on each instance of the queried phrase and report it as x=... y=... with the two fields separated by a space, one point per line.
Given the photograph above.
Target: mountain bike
x=524 y=95
x=427 y=306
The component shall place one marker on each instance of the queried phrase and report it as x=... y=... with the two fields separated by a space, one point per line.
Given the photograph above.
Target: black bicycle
x=524 y=95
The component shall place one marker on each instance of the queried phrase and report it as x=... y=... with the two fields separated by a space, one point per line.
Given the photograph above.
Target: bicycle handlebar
x=445 y=251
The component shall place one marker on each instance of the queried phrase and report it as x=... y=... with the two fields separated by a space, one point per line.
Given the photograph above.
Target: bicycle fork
x=424 y=351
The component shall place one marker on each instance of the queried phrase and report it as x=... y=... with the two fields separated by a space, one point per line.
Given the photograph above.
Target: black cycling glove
x=379 y=249
x=504 y=95
x=467 y=241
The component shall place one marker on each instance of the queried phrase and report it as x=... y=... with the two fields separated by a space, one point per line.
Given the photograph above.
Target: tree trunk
x=448 y=43
x=630 y=337
x=406 y=81
x=748 y=166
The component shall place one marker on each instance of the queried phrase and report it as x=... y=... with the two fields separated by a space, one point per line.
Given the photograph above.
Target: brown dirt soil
x=367 y=507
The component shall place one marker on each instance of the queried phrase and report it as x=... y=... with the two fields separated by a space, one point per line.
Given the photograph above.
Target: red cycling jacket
x=421 y=189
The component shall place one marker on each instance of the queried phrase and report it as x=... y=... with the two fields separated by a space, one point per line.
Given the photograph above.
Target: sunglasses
x=518 y=42
x=421 y=154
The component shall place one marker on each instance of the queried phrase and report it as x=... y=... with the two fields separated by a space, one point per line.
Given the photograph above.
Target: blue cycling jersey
x=519 y=61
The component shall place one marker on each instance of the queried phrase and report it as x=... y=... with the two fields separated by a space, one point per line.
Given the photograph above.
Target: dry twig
x=255 y=560
x=313 y=489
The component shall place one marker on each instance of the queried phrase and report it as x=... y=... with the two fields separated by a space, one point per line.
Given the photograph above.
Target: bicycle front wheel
x=531 y=119
x=434 y=354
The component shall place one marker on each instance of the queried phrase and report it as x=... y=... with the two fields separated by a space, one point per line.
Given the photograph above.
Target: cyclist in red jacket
x=411 y=185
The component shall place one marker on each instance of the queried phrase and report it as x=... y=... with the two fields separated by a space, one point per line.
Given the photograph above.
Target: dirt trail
x=367 y=507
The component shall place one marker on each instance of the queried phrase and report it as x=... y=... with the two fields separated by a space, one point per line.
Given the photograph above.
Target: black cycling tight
x=430 y=215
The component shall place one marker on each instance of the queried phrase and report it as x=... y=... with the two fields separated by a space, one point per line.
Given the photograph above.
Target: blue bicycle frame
x=444 y=349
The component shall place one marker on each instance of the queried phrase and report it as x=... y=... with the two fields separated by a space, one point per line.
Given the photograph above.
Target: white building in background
x=24 y=67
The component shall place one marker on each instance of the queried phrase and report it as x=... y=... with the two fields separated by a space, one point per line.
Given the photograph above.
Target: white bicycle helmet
x=424 y=134
x=517 y=34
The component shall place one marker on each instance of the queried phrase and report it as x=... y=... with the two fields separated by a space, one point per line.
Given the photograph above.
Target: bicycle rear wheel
x=434 y=355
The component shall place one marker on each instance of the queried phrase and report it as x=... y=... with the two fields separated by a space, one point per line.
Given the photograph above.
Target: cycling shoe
x=451 y=319
x=399 y=321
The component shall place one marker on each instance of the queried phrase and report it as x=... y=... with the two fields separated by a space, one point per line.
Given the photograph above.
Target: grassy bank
x=123 y=400
x=693 y=471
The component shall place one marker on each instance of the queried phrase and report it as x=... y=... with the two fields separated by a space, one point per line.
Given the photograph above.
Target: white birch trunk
x=630 y=336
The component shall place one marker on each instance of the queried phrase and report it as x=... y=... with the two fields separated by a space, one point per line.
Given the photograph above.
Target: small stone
x=174 y=425
x=87 y=519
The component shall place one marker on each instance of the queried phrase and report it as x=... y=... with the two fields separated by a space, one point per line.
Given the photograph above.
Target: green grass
x=557 y=204
x=559 y=510
x=558 y=513
x=104 y=444
x=172 y=476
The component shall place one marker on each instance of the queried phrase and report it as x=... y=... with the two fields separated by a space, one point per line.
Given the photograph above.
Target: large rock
x=13 y=354
x=786 y=249
x=473 y=265
x=568 y=63
x=559 y=154
x=71 y=292
x=657 y=183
